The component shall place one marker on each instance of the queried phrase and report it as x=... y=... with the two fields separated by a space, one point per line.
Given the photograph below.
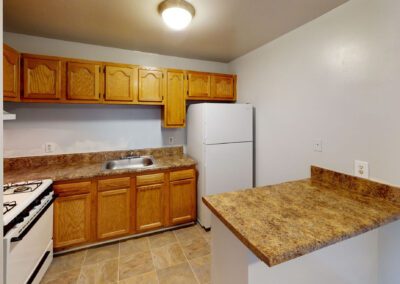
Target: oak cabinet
x=72 y=214
x=175 y=105
x=11 y=74
x=42 y=78
x=83 y=81
x=120 y=84
x=222 y=87
x=182 y=195
x=150 y=191
x=113 y=207
x=198 y=85
x=151 y=86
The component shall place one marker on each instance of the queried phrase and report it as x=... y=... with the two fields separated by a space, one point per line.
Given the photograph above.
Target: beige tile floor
x=179 y=256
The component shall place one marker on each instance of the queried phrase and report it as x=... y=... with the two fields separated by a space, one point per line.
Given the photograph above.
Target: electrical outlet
x=318 y=145
x=49 y=147
x=361 y=169
x=171 y=140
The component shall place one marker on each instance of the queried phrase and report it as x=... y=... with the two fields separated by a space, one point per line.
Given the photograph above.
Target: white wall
x=336 y=78
x=87 y=128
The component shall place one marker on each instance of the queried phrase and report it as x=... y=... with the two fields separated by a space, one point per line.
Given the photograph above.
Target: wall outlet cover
x=49 y=147
x=317 y=145
x=361 y=169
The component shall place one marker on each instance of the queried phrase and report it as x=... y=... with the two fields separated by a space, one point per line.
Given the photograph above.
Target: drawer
x=184 y=174
x=114 y=183
x=73 y=188
x=150 y=179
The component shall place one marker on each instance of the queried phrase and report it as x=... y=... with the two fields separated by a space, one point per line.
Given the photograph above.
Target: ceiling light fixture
x=177 y=14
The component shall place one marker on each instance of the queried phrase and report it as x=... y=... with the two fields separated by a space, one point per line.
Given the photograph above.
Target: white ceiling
x=222 y=30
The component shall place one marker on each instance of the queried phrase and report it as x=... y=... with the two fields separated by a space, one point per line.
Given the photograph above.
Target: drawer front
x=72 y=188
x=114 y=183
x=179 y=175
x=150 y=179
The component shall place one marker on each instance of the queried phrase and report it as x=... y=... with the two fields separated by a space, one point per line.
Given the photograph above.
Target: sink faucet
x=130 y=155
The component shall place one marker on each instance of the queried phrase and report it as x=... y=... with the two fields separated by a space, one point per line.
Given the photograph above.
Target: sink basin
x=130 y=163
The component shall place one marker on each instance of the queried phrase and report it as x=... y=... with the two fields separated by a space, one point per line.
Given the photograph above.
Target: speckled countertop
x=281 y=222
x=88 y=165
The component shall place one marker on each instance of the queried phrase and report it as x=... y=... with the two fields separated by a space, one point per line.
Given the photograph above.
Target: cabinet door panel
x=83 y=81
x=11 y=61
x=151 y=87
x=182 y=201
x=222 y=86
x=198 y=85
x=149 y=207
x=113 y=217
x=42 y=78
x=175 y=107
x=72 y=216
x=120 y=83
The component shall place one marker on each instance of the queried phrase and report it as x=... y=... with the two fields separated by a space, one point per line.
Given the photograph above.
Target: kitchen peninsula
x=310 y=231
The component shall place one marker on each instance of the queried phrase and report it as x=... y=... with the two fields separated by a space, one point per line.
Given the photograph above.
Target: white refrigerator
x=220 y=138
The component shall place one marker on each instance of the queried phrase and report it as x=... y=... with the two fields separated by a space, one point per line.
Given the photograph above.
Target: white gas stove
x=28 y=230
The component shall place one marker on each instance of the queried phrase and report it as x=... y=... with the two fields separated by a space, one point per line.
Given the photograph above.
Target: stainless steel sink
x=130 y=163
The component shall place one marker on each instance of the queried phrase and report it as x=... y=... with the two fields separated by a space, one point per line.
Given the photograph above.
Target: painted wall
x=336 y=78
x=87 y=128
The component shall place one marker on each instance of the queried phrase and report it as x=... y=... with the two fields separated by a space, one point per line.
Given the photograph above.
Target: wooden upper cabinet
x=223 y=87
x=11 y=75
x=83 y=81
x=198 y=85
x=120 y=84
x=151 y=86
x=175 y=105
x=42 y=78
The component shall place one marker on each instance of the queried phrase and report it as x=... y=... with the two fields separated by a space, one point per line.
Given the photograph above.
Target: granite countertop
x=281 y=222
x=88 y=165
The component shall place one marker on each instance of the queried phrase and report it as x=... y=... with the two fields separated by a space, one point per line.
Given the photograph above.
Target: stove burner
x=8 y=206
x=21 y=187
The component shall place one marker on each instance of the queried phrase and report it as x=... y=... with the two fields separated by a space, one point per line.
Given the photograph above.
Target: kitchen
x=317 y=80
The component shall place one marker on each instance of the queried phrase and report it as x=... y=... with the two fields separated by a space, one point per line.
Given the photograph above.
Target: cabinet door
x=175 y=106
x=42 y=78
x=11 y=59
x=222 y=87
x=113 y=217
x=182 y=201
x=151 y=87
x=83 y=81
x=120 y=83
x=198 y=85
x=72 y=218
x=149 y=207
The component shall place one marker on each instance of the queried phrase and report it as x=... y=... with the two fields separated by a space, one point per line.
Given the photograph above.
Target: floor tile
x=66 y=277
x=67 y=262
x=134 y=246
x=162 y=239
x=188 y=233
x=99 y=273
x=135 y=264
x=102 y=253
x=201 y=267
x=146 y=278
x=168 y=255
x=178 y=274
x=195 y=248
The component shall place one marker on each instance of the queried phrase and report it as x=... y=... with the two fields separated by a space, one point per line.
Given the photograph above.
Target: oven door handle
x=30 y=226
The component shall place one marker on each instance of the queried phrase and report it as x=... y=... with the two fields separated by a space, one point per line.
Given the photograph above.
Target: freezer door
x=227 y=167
x=228 y=123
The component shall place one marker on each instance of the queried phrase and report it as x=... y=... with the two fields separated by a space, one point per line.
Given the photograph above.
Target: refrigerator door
x=228 y=123
x=227 y=167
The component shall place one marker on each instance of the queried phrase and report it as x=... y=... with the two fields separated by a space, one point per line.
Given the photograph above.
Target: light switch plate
x=361 y=169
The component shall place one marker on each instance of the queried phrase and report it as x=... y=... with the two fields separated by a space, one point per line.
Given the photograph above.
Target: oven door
x=28 y=255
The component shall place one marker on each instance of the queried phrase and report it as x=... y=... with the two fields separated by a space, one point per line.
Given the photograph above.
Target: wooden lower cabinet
x=72 y=214
x=101 y=209
x=182 y=197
